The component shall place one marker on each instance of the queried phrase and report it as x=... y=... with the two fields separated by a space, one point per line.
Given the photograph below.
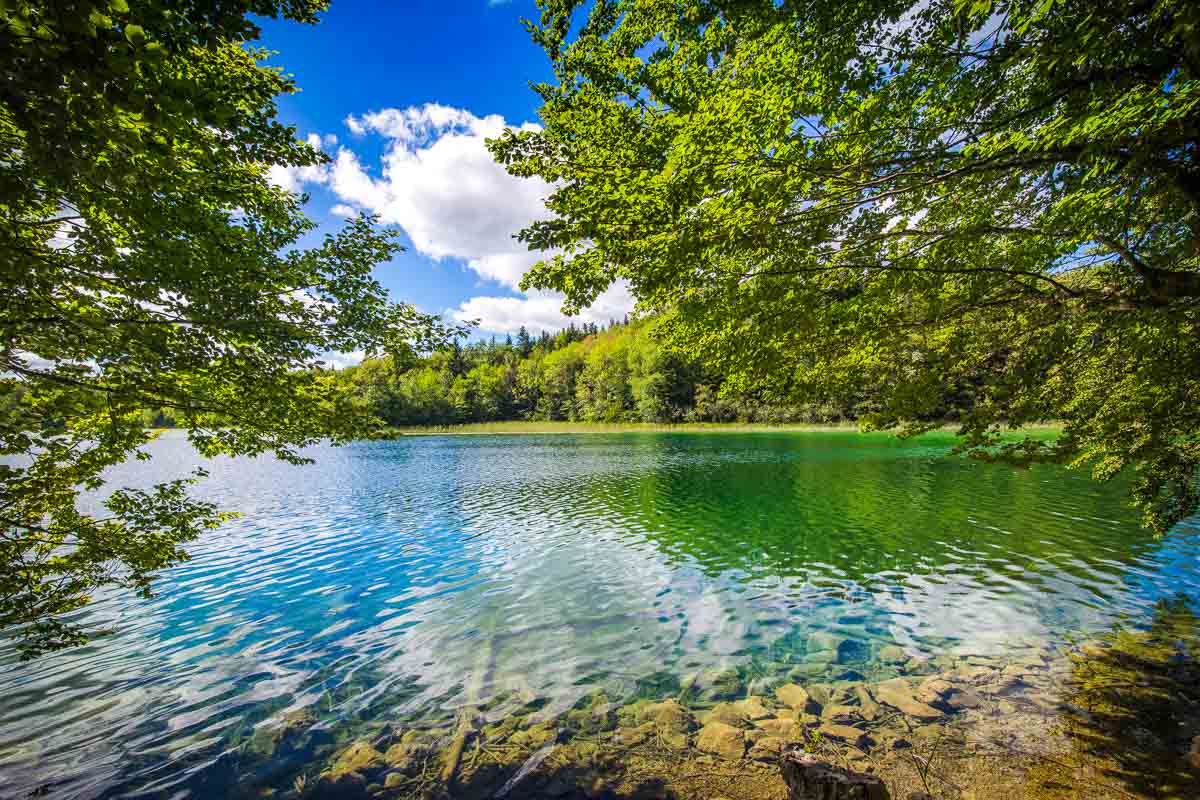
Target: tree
x=524 y=342
x=988 y=203
x=148 y=263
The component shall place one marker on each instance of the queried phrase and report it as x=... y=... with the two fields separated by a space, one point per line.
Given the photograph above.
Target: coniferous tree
x=524 y=343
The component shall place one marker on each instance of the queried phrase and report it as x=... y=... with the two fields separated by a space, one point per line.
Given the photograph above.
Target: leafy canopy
x=991 y=203
x=148 y=263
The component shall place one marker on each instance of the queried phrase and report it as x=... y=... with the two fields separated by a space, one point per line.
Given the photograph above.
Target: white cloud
x=437 y=180
x=344 y=211
x=294 y=178
x=541 y=311
x=343 y=360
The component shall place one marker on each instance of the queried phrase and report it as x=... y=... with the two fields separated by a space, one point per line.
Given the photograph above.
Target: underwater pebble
x=723 y=740
x=897 y=694
x=794 y=696
x=786 y=729
x=845 y=733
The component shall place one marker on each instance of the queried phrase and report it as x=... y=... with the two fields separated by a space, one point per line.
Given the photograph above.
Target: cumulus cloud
x=344 y=211
x=437 y=181
x=541 y=311
x=294 y=178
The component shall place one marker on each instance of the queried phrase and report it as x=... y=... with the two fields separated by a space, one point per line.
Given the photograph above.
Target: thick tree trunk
x=810 y=779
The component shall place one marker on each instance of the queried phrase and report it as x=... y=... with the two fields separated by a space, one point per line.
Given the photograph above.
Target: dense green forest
x=622 y=373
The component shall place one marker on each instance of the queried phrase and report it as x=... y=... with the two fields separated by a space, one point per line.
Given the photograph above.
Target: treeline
x=618 y=374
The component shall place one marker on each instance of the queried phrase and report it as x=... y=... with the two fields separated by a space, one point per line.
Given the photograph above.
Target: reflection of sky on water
x=418 y=576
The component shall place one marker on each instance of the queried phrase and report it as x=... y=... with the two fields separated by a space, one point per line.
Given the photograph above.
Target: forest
x=623 y=372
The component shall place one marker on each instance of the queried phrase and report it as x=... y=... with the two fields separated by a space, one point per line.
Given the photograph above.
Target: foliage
x=148 y=263
x=990 y=203
x=621 y=374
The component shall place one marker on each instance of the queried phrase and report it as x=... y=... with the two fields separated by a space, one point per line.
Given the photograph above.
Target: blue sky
x=402 y=96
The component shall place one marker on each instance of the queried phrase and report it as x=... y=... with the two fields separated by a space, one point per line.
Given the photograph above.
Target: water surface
x=407 y=580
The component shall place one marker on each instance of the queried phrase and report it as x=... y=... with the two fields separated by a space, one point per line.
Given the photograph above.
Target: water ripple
x=411 y=579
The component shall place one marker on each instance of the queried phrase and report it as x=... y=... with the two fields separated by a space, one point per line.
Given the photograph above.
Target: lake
x=408 y=580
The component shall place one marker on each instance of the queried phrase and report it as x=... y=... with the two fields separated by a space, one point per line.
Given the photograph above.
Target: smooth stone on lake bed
x=845 y=733
x=781 y=728
x=841 y=714
x=767 y=748
x=899 y=695
x=866 y=703
x=822 y=658
x=358 y=757
x=728 y=713
x=671 y=721
x=715 y=684
x=794 y=696
x=821 y=693
x=739 y=714
x=754 y=708
x=722 y=740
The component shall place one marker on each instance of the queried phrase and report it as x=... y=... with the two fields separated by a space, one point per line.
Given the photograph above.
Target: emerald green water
x=408 y=580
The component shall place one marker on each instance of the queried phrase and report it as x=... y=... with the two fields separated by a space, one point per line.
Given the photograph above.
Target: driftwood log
x=809 y=778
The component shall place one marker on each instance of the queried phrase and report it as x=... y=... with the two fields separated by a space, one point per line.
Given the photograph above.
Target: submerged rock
x=767 y=748
x=961 y=698
x=534 y=736
x=841 y=714
x=411 y=752
x=838 y=648
x=722 y=740
x=787 y=729
x=634 y=736
x=359 y=757
x=808 y=778
x=820 y=659
x=892 y=654
x=853 y=651
x=821 y=693
x=932 y=690
x=973 y=675
x=794 y=696
x=1004 y=686
x=729 y=713
x=866 y=703
x=672 y=722
x=754 y=708
x=344 y=786
x=899 y=695
x=845 y=733
x=292 y=733
x=714 y=684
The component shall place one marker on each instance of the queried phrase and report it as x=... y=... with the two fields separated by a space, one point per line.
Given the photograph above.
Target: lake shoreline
x=1038 y=721
x=521 y=427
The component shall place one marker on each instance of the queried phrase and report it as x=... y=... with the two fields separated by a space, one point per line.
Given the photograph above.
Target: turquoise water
x=410 y=579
